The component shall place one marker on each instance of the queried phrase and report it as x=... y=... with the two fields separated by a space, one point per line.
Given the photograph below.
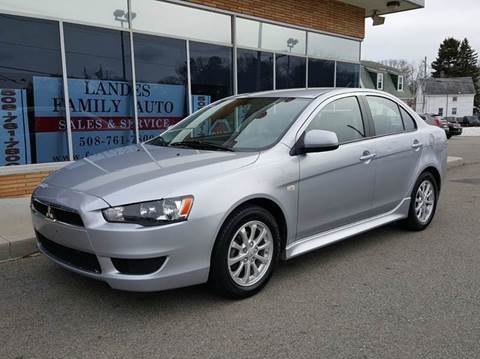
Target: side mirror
x=315 y=141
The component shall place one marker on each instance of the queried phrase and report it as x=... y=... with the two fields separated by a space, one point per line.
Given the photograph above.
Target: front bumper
x=180 y=252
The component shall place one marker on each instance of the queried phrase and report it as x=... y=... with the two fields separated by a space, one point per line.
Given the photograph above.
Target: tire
x=415 y=220
x=222 y=277
x=449 y=136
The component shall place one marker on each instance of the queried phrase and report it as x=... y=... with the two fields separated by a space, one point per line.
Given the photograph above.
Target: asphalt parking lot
x=385 y=294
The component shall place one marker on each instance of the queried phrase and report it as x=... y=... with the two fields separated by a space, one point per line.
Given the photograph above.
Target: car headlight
x=152 y=213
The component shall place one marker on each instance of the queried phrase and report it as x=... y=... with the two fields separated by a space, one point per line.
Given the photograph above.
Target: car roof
x=307 y=93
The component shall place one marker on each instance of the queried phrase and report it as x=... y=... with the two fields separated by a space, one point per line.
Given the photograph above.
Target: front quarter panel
x=273 y=176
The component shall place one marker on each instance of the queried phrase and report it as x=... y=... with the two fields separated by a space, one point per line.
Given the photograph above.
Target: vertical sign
x=14 y=134
x=200 y=101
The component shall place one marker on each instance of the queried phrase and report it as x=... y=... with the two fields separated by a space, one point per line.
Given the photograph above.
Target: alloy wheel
x=250 y=253
x=424 y=201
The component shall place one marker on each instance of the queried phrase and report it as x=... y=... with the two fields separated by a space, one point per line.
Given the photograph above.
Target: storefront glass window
x=267 y=36
x=333 y=48
x=161 y=75
x=103 y=12
x=321 y=73
x=255 y=71
x=99 y=84
x=32 y=112
x=347 y=74
x=290 y=71
x=184 y=21
x=211 y=73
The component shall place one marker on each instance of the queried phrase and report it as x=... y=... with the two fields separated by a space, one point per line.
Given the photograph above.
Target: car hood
x=135 y=171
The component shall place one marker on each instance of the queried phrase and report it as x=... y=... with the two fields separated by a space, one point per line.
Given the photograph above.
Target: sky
x=412 y=35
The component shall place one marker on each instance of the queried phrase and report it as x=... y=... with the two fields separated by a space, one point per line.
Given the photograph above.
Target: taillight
x=437 y=122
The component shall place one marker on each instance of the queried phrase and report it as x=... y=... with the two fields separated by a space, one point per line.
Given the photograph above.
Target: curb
x=17 y=248
x=453 y=162
x=20 y=247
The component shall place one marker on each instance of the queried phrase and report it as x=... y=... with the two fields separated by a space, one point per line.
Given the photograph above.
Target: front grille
x=58 y=213
x=75 y=258
x=138 y=266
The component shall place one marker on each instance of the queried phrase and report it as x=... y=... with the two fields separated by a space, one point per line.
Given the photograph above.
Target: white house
x=449 y=97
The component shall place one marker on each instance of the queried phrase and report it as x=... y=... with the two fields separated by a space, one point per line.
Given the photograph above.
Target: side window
x=386 y=115
x=342 y=117
x=408 y=121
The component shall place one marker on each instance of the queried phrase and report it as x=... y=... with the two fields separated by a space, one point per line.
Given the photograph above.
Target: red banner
x=55 y=124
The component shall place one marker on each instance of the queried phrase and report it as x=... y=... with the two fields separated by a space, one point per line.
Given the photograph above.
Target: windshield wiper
x=157 y=141
x=200 y=145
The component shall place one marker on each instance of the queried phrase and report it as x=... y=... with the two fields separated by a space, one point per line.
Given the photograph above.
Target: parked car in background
x=226 y=193
x=469 y=121
x=435 y=120
x=454 y=127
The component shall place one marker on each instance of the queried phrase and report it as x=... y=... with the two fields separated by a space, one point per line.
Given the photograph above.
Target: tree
x=468 y=66
x=409 y=71
x=447 y=62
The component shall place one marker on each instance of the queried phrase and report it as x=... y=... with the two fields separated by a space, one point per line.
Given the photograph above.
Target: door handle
x=367 y=156
x=416 y=144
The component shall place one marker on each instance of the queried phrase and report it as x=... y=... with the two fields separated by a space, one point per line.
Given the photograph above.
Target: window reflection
x=99 y=82
x=161 y=75
x=347 y=74
x=332 y=47
x=166 y=18
x=290 y=72
x=255 y=71
x=92 y=11
x=267 y=36
x=32 y=116
x=321 y=73
x=211 y=73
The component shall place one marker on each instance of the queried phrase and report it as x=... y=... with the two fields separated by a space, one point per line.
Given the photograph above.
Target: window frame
x=403 y=120
x=370 y=116
x=369 y=134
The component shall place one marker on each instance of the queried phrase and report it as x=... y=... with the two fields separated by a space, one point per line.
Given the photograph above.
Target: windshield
x=240 y=124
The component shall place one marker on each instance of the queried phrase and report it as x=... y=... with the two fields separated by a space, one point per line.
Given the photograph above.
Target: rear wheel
x=245 y=253
x=423 y=202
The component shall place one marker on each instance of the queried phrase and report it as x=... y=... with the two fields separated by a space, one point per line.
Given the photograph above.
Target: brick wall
x=20 y=185
x=326 y=15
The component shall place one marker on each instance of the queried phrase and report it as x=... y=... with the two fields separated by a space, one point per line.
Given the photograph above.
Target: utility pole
x=425 y=68
x=424 y=83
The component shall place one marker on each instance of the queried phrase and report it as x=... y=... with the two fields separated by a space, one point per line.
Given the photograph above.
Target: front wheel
x=423 y=202
x=245 y=253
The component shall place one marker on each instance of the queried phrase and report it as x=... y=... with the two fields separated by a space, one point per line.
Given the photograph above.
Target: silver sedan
x=229 y=191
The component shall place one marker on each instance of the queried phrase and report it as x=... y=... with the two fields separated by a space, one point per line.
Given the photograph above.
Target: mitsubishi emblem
x=49 y=213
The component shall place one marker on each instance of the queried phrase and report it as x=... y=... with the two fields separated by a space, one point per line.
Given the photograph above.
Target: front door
x=336 y=187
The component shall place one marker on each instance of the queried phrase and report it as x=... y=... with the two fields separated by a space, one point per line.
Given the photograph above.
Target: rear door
x=336 y=187
x=398 y=149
